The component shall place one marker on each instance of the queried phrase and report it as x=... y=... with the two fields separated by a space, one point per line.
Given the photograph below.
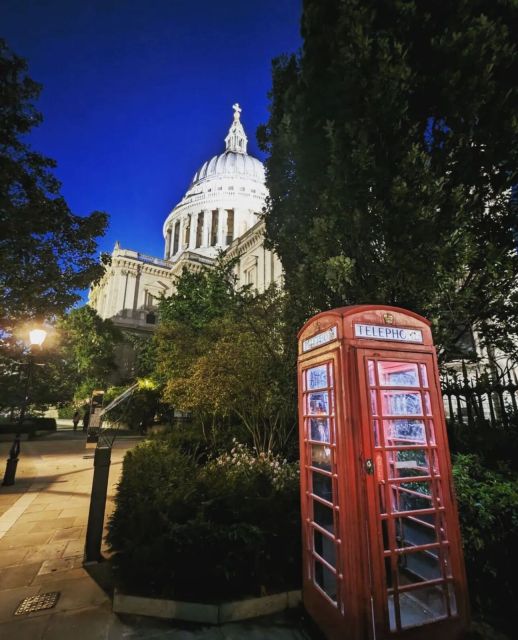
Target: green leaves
x=393 y=146
x=46 y=252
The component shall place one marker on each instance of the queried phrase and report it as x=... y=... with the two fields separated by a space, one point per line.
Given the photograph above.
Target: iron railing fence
x=480 y=399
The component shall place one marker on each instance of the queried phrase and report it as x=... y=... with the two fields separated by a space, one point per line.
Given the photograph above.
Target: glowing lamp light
x=37 y=336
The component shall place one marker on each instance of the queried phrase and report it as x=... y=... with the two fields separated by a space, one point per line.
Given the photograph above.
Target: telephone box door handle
x=369 y=466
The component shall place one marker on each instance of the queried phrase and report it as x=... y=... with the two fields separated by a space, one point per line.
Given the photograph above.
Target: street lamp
x=36 y=338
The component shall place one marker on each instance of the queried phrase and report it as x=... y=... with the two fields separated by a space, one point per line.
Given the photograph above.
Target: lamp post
x=36 y=338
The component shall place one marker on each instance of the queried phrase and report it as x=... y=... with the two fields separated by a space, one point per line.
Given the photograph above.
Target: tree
x=46 y=251
x=393 y=145
x=78 y=356
x=221 y=355
x=86 y=350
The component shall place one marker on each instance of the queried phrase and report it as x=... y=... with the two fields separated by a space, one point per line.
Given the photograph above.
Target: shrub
x=488 y=507
x=224 y=528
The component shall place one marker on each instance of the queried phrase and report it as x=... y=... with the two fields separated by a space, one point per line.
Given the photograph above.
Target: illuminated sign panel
x=319 y=339
x=395 y=334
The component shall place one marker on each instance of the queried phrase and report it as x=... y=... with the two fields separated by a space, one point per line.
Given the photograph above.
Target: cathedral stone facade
x=220 y=212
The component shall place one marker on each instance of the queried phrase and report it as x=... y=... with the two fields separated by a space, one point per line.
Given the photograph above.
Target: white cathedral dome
x=231 y=164
x=225 y=198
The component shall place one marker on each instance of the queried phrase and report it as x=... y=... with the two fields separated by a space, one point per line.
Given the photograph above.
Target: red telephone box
x=382 y=550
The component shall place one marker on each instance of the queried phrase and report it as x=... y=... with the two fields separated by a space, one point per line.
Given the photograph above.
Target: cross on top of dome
x=236 y=139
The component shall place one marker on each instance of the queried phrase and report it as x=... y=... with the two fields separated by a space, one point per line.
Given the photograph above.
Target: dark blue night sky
x=138 y=94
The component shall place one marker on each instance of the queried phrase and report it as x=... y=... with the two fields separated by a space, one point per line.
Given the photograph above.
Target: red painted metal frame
x=361 y=609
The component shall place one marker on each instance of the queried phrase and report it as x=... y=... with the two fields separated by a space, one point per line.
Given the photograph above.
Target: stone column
x=181 y=234
x=192 y=231
x=207 y=216
x=167 y=253
x=222 y=227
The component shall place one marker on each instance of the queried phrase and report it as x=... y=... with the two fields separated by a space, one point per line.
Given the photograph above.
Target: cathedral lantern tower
x=223 y=201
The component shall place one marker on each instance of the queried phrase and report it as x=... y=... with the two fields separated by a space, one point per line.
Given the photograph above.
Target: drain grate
x=37 y=603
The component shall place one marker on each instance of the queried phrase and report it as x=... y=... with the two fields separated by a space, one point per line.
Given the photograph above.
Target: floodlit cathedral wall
x=220 y=212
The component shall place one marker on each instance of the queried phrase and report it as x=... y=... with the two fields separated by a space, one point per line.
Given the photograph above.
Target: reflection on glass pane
x=423 y=605
x=424 y=375
x=407 y=431
x=431 y=431
x=370 y=367
x=322 y=486
x=321 y=457
x=323 y=516
x=392 y=615
x=398 y=374
x=318 y=403
x=427 y=404
x=453 y=600
x=418 y=566
x=413 y=531
x=399 y=403
x=376 y=429
x=320 y=429
x=317 y=377
x=325 y=547
x=408 y=463
x=411 y=496
x=374 y=404
x=325 y=579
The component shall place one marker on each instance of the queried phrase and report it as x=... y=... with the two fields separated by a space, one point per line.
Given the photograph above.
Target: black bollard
x=12 y=463
x=94 y=530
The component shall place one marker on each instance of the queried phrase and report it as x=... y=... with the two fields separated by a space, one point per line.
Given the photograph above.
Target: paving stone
x=86 y=624
x=34 y=508
x=21 y=527
x=48 y=581
x=10 y=557
x=74 y=548
x=59 y=564
x=18 y=576
x=32 y=627
x=80 y=593
x=39 y=514
x=53 y=524
x=46 y=552
x=15 y=541
x=71 y=533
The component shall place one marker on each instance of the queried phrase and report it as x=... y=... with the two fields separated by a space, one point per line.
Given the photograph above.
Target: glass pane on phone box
x=408 y=463
x=320 y=430
x=399 y=403
x=418 y=566
x=325 y=547
x=413 y=531
x=322 y=486
x=412 y=496
x=398 y=374
x=317 y=377
x=325 y=579
x=422 y=605
x=323 y=516
x=318 y=403
x=404 y=432
x=321 y=457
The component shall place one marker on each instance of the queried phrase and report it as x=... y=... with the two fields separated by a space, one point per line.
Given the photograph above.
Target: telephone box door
x=409 y=510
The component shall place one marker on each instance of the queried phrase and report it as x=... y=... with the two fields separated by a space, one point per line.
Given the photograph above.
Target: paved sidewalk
x=42 y=532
